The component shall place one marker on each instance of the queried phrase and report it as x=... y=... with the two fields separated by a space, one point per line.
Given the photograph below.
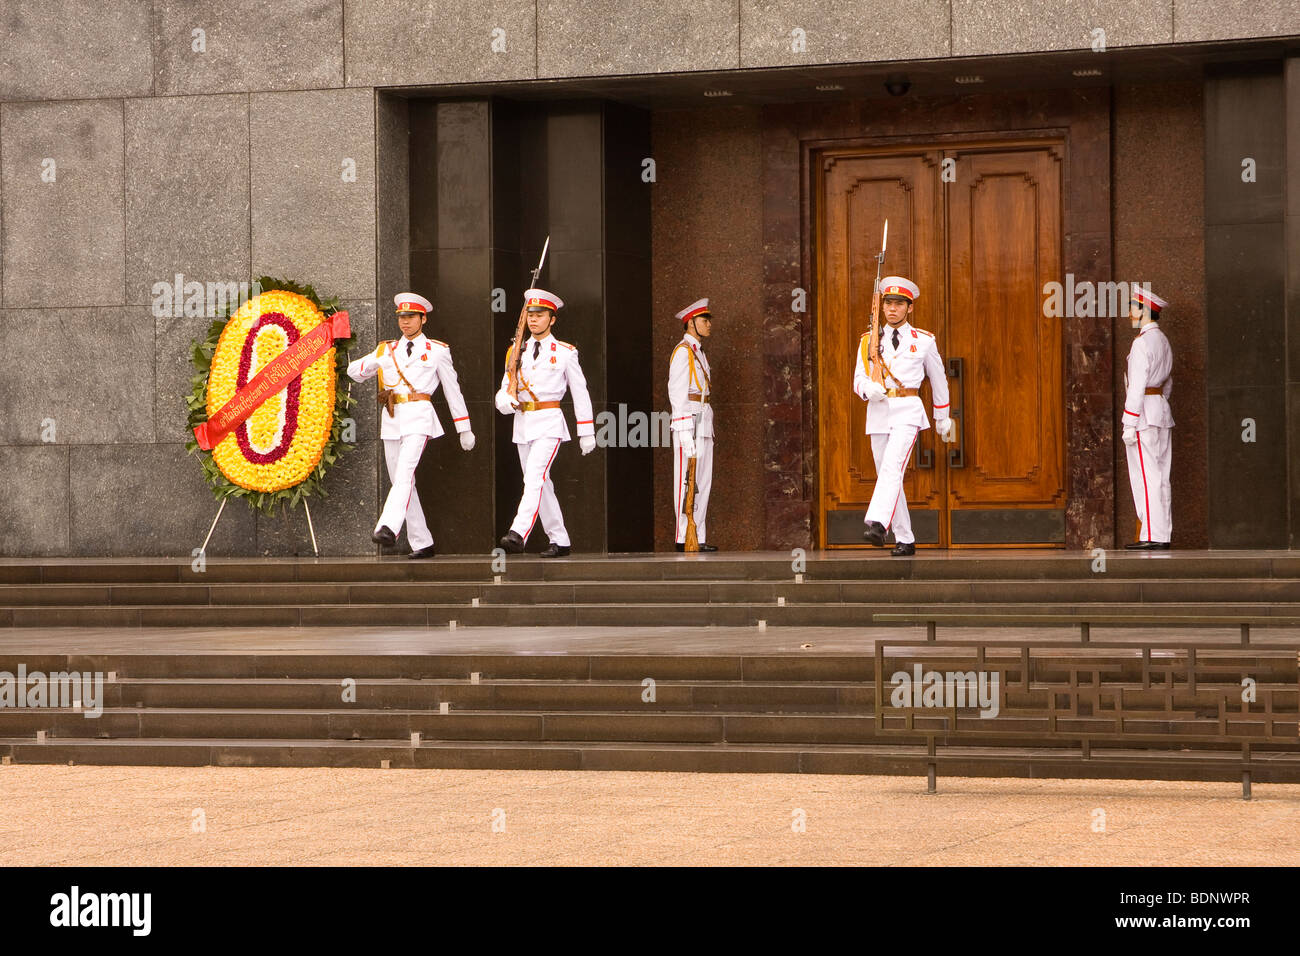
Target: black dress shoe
x=680 y=546
x=708 y=547
x=512 y=543
x=384 y=535
x=556 y=551
x=428 y=552
x=1147 y=546
x=874 y=534
x=904 y=550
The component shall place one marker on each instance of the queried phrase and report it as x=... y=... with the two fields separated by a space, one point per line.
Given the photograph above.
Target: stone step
x=308 y=594
x=579 y=614
x=64 y=726
x=896 y=759
x=870 y=566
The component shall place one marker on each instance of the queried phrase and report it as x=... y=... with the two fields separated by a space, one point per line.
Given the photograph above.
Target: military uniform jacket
x=688 y=372
x=1150 y=365
x=426 y=367
x=916 y=358
x=545 y=378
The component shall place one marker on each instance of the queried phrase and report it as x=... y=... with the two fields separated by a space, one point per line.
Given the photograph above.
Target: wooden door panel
x=859 y=191
x=1003 y=245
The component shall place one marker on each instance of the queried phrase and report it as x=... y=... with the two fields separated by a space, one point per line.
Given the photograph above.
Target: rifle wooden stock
x=514 y=357
x=692 y=535
x=877 y=370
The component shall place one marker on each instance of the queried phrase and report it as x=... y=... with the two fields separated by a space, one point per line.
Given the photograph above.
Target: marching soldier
x=1147 y=420
x=548 y=369
x=692 y=421
x=895 y=412
x=410 y=369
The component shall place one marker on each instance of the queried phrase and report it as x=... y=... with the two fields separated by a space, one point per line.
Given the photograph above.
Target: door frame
x=811 y=152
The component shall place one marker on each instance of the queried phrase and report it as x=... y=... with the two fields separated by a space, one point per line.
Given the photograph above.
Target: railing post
x=931 y=770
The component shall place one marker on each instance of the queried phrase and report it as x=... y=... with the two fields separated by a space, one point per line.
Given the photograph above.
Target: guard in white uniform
x=410 y=369
x=895 y=412
x=689 y=385
x=1147 y=421
x=549 y=368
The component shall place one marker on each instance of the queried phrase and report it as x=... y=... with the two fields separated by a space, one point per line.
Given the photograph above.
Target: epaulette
x=571 y=348
x=440 y=342
x=923 y=332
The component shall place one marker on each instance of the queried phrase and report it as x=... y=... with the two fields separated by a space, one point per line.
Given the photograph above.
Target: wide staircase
x=732 y=710
x=635 y=590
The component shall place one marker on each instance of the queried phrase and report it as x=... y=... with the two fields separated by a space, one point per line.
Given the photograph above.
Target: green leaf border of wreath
x=196 y=402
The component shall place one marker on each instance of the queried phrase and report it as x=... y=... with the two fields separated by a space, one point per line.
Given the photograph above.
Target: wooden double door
x=978 y=228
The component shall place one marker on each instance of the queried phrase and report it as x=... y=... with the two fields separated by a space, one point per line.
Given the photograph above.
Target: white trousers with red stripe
x=538 y=499
x=888 y=504
x=1148 y=473
x=403 y=502
x=703 y=485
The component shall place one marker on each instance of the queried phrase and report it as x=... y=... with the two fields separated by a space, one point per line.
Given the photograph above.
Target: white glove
x=687 y=443
x=946 y=430
x=874 y=390
x=587 y=443
x=467 y=441
x=506 y=404
x=1130 y=435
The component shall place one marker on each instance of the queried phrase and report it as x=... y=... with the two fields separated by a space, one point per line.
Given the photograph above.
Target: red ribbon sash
x=277 y=374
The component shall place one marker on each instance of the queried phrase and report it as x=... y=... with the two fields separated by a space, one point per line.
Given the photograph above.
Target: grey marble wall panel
x=612 y=37
x=149 y=500
x=63 y=238
x=61 y=356
x=343 y=520
x=34 y=506
x=66 y=49
x=1197 y=20
x=187 y=205
x=981 y=28
x=794 y=32
x=1242 y=112
x=397 y=43
x=313 y=217
x=247 y=45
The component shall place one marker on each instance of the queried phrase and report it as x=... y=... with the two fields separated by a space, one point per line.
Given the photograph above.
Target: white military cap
x=897 y=285
x=698 y=307
x=538 y=299
x=1148 y=298
x=412 y=302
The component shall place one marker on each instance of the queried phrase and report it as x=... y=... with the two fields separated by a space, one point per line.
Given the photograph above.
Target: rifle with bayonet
x=514 y=358
x=877 y=370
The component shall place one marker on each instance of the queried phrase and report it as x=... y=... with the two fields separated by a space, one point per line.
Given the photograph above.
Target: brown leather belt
x=1155 y=391
x=412 y=397
x=388 y=398
x=537 y=406
x=703 y=398
x=902 y=392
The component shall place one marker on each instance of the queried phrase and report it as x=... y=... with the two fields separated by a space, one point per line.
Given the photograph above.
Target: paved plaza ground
x=109 y=816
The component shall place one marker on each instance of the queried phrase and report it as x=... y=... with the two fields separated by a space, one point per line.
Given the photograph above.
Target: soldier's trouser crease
x=403 y=502
x=538 y=499
x=888 y=504
x=1148 y=473
x=703 y=485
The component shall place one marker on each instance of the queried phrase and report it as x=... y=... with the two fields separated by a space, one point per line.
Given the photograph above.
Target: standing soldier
x=1147 y=421
x=692 y=421
x=895 y=412
x=410 y=370
x=548 y=369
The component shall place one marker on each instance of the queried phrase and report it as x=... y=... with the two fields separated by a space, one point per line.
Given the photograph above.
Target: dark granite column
x=572 y=171
x=1292 y=188
x=451 y=264
x=1246 y=256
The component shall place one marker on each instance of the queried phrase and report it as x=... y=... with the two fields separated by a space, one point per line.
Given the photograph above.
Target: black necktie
x=409 y=346
x=537 y=347
x=895 y=340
